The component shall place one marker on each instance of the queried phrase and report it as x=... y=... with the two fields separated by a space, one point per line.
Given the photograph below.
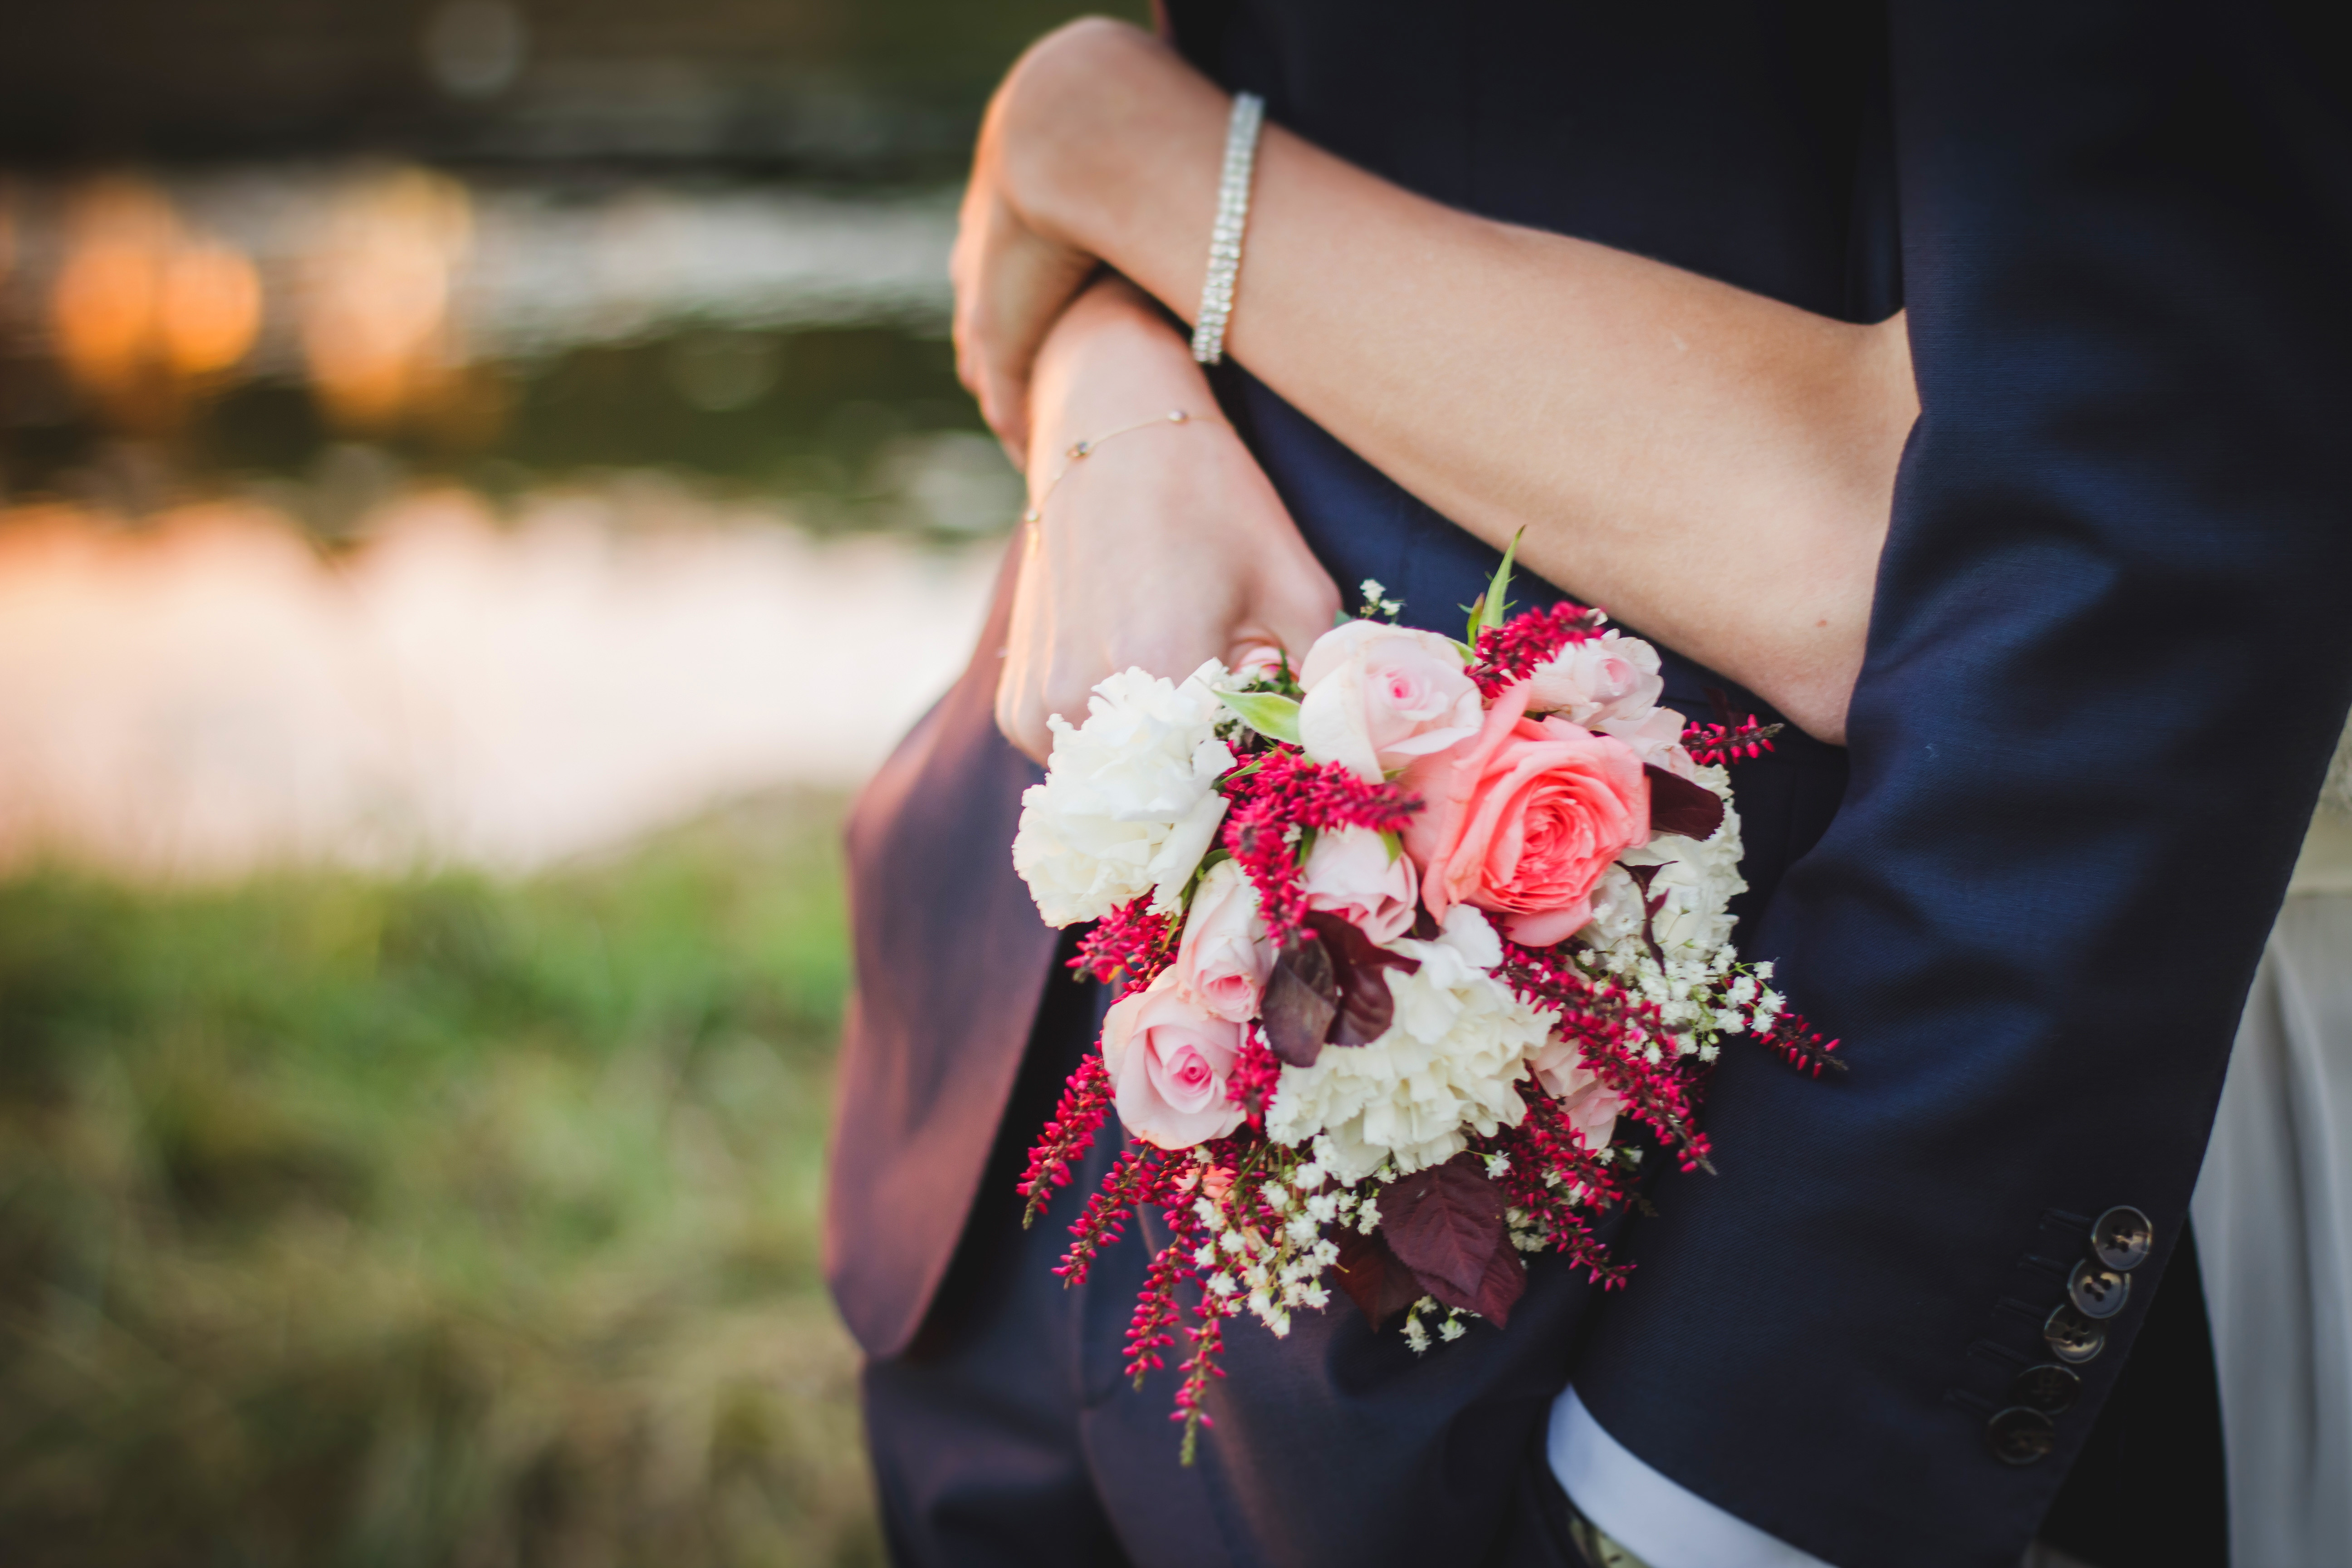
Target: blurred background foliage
x=428 y=1220
x=447 y=1217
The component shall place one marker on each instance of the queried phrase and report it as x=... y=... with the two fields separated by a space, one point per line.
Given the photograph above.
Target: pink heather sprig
x=1794 y=1041
x=1208 y=1348
x=1256 y=1074
x=1554 y=1178
x=1280 y=792
x=1153 y=1327
x=1142 y=1174
x=1509 y=653
x=1615 y=1032
x=1064 y=1141
x=1713 y=746
x=1128 y=947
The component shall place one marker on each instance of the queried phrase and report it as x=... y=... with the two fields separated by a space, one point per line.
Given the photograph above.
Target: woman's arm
x=1165 y=546
x=1713 y=466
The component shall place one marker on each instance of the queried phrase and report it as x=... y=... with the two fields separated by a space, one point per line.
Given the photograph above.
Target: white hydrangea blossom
x=1700 y=879
x=1451 y=1059
x=1128 y=804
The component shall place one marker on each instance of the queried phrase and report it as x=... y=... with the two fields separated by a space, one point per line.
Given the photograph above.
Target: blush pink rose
x=1224 y=960
x=1379 y=696
x=1522 y=821
x=1352 y=873
x=1592 y=1105
x=1168 y=1062
x=1609 y=676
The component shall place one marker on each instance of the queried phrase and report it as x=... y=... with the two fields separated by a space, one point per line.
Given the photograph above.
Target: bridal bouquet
x=1397 y=937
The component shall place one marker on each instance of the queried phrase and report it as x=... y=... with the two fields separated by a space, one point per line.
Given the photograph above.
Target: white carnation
x=1129 y=805
x=1700 y=879
x=1452 y=1059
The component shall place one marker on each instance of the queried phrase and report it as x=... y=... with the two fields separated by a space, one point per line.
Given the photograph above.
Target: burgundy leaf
x=1371 y=1275
x=1445 y=1224
x=1366 y=1003
x=1499 y=1289
x=1678 y=805
x=1301 y=998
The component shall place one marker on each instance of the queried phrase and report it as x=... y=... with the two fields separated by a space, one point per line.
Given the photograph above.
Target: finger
x=1255 y=656
x=1021 y=720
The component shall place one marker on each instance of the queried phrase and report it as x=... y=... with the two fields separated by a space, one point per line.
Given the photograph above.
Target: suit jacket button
x=2072 y=1337
x=2121 y=1238
x=2020 y=1437
x=2097 y=1293
x=2049 y=1388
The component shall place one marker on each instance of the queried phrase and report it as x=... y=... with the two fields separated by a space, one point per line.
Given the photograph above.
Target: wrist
x=1086 y=124
x=1111 y=359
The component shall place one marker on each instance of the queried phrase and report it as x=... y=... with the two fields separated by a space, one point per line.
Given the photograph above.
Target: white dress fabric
x=2273 y=1217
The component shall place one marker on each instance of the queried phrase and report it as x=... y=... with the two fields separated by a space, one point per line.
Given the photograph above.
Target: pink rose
x=1522 y=821
x=1378 y=696
x=1352 y=874
x=1592 y=1105
x=1611 y=684
x=1609 y=676
x=1656 y=738
x=1224 y=960
x=1168 y=1062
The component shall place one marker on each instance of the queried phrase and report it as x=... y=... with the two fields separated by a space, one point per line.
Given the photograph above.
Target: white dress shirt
x=1664 y=1524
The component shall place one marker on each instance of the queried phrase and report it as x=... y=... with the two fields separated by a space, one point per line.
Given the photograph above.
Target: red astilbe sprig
x=1712 y=745
x=1142 y=1174
x=1614 y=1033
x=1128 y=947
x=1256 y=1074
x=1063 y=1140
x=1281 y=792
x=1208 y=1337
x=1795 y=1042
x=1154 y=1326
x=1555 y=1180
x=1509 y=653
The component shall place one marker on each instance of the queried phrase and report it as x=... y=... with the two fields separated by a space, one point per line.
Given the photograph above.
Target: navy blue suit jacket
x=2109 y=652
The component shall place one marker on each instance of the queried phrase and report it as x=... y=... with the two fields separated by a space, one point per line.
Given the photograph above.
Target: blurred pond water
x=366 y=514
x=310 y=336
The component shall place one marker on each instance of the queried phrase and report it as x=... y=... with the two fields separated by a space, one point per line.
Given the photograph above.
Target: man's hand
x=1165 y=547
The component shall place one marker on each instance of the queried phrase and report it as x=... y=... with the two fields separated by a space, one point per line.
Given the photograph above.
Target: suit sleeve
x=2110 y=653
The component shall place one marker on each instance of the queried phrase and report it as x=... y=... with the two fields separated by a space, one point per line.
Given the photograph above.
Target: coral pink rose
x=1224 y=958
x=1168 y=1062
x=1378 y=696
x=1592 y=1105
x=1522 y=821
x=1352 y=874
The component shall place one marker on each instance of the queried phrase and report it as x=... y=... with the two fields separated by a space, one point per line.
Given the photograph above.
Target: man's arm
x=2108 y=657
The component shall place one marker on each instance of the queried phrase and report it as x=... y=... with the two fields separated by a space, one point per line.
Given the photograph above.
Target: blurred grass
x=425 y=1221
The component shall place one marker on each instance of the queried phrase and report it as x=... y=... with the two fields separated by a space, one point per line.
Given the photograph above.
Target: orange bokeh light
x=141 y=307
x=375 y=314
x=211 y=309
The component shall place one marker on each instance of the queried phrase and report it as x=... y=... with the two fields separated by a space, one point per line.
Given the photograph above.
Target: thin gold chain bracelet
x=1086 y=449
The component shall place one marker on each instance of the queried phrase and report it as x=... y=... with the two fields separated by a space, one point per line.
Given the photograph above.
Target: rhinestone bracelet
x=1225 y=238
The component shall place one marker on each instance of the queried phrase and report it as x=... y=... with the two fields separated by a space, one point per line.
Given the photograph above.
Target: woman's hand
x=1165 y=547
x=1014 y=272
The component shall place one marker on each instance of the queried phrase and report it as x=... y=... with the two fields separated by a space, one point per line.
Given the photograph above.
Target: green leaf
x=1276 y=716
x=1495 y=603
x=1395 y=841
